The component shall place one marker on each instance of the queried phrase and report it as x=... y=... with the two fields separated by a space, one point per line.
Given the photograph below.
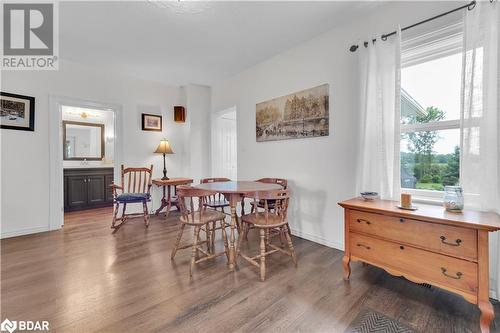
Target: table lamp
x=164 y=148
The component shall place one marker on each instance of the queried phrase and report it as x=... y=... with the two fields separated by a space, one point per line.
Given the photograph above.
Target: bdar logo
x=8 y=325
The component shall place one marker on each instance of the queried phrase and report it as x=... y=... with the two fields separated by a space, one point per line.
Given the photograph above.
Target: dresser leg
x=483 y=301
x=347 y=267
x=487 y=315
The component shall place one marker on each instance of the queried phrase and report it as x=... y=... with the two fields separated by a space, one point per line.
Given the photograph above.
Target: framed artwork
x=151 y=122
x=304 y=114
x=17 y=112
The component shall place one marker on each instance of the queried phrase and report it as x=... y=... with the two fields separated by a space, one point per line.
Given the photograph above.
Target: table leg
x=232 y=252
x=163 y=202
x=176 y=202
x=169 y=201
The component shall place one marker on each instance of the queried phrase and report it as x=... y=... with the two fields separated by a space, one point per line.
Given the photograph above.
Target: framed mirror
x=83 y=141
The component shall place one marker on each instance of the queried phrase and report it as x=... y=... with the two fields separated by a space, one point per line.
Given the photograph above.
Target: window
x=430 y=111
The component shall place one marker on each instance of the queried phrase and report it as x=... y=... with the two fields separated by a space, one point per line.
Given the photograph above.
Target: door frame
x=56 y=174
x=214 y=116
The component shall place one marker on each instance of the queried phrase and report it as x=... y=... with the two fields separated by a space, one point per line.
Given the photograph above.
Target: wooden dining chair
x=216 y=201
x=194 y=212
x=279 y=181
x=265 y=221
x=135 y=188
x=260 y=204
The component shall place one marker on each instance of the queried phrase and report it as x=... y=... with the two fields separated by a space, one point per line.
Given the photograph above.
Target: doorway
x=85 y=151
x=224 y=144
x=88 y=155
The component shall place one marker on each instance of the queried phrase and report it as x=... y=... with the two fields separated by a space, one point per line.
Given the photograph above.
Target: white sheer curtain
x=379 y=165
x=480 y=120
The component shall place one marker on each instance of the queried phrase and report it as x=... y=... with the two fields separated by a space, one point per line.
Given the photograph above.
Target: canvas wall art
x=17 y=112
x=304 y=114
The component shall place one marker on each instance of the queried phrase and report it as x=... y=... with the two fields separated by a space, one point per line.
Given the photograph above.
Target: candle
x=405 y=200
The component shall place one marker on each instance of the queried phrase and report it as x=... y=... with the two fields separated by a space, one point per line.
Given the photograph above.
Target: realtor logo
x=8 y=325
x=29 y=36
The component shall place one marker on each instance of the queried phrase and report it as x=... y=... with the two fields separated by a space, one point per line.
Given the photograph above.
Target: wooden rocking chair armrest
x=150 y=184
x=115 y=189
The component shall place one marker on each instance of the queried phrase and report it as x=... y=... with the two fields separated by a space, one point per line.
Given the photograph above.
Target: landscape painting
x=17 y=112
x=303 y=114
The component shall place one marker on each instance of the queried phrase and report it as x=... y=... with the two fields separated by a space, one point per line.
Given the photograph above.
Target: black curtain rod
x=469 y=6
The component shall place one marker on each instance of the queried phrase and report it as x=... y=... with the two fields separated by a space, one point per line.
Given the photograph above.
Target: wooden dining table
x=235 y=191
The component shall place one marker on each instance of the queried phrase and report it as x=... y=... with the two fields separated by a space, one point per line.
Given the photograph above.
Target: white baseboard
x=317 y=239
x=22 y=232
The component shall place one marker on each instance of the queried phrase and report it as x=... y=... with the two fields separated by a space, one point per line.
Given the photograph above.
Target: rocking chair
x=135 y=188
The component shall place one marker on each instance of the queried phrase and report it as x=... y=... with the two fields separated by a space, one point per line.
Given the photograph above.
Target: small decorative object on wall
x=151 y=122
x=303 y=114
x=179 y=114
x=17 y=112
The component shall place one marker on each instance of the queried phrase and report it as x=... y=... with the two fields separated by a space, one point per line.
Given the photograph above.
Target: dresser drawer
x=455 y=241
x=432 y=267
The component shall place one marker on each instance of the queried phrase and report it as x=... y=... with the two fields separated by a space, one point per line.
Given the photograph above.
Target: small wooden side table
x=167 y=200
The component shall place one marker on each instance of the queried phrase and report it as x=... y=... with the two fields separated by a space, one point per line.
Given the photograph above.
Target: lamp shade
x=164 y=147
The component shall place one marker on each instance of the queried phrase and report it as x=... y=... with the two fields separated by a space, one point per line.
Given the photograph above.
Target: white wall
x=321 y=170
x=25 y=155
x=197 y=135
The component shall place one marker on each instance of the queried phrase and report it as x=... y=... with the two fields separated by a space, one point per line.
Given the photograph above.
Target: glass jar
x=453 y=199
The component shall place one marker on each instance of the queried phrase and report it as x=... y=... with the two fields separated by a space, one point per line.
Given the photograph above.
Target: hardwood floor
x=83 y=278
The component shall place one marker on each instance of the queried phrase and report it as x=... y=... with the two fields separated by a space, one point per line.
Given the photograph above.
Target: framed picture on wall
x=303 y=114
x=151 y=122
x=17 y=112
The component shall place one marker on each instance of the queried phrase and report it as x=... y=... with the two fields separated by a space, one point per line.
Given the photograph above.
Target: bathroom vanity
x=86 y=188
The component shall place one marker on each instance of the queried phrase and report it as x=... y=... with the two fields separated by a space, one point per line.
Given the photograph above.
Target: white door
x=224 y=149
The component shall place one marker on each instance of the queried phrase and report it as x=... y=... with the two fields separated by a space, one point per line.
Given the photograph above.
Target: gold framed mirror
x=83 y=141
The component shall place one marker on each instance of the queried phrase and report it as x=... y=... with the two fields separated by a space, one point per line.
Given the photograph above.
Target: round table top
x=238 y=187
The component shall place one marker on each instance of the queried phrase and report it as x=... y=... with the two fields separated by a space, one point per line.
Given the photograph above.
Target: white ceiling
x=191 y=42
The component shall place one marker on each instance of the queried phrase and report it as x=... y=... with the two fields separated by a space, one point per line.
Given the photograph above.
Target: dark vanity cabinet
x=87 y=188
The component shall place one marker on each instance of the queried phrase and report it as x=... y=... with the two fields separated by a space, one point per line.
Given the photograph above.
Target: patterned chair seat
x=261 y=203
x=133 y=197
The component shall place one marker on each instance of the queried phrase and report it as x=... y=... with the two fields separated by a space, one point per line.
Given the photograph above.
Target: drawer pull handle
x=457 y=242
x=361 y=220
x=457 y=277
x=401 y=247
x=401 y=219
x=362 y=245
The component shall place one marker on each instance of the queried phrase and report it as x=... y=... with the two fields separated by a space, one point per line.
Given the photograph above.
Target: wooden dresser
x=447 y=250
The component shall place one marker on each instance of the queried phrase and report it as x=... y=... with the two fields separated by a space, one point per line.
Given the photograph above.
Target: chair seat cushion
x=133 y=197
x=262 y=203
x=207 y=216
x=259 y=220
x=217 y=203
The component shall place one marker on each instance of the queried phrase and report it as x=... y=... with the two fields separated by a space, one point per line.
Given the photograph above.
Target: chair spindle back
x=279 y=181
x=136 y=180
x=279 y=200
x=191 y=202
x=216 y=196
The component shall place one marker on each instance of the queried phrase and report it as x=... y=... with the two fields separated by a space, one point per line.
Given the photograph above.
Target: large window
x=430 y=115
